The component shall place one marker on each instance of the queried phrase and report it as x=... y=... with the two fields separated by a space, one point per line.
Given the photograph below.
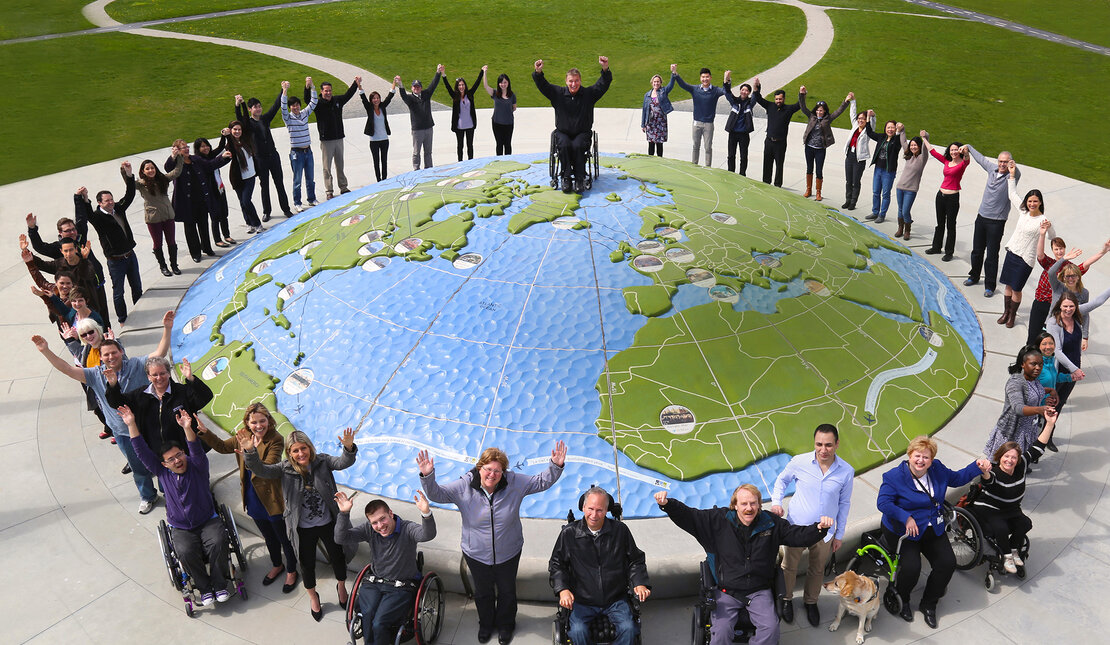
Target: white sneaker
x=207 y=600
x=313 y=202
x=222 y=595
x=1008 y=564
x=1017 y=559
x=146 y=506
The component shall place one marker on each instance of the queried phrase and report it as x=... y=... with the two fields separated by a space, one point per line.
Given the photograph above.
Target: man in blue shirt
x=705 y=109
x=823 y=487
x=131 y=375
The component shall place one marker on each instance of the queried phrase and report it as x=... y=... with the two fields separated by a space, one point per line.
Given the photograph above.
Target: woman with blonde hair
x=489 y=499
x=308 y=488
x=262 y=497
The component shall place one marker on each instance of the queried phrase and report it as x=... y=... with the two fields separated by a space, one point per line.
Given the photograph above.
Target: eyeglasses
x=175 y=457
x=491 y=471
x=88 y=334
x=1071 y=277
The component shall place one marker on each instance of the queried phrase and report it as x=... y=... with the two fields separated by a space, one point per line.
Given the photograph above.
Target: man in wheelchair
x=389 y=591
x=592 y=566
x=745 y=541
x=195 y=528
x=574 y=119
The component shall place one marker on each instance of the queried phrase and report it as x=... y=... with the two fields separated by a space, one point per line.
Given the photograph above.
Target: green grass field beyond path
x=1087 y=20
x=21 y=18
x=140 y=10
x=84 y=119
x=409 y=37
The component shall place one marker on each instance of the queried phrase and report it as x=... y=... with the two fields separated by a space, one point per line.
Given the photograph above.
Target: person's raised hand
x=802 y=90
x=422 y=502
x=32 y=221
x=924 y=134
x=899 y=127
x=674 y=68
x=911 y=527
x=397 y=80
x=604 y=61
x=826 y=522
x=111 y=376
x=851 y=96
x=1011 y=167
x=343 y=502
x=661 y=497
x=1045 y=225
x=226 y=132
x=440 y=69
x=126 y=414
x=308 y=82
x=23 y=243
x=539 y=65
x=226 y=154
x=728 y=75
x=184 y=419
x=110 y=334
x=40 y=343
x=348 y=439
x=777 y=510
x=26 y=257
x=425 y=463
x=35 y=290
x=984 y=465
x=358 y=81
x=641 y=592
x=1106 y=247
x=245 y=439
x=201 y=428
x=871 y=114
x=87 y=249
x=238 y=99
x=566 y=599
x=126 y=166
x=186 y=370
x=83 y=193
x=167 y=319
x=559 y=454
x=1072 y=254
x=485 y=69
x=68 y=332
x=284 y=87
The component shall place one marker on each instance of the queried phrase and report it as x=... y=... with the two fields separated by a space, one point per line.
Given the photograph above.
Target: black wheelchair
x=601 y=630
x=593 y=169
x=707 y=601
x=981 y=547
x=183 y=582
x=424 y=619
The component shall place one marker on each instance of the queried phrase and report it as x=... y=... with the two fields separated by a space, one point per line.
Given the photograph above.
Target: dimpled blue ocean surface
x=486 y=321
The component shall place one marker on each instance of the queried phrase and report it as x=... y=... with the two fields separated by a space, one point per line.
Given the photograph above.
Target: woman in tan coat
x=262 y=498
x=158 y=210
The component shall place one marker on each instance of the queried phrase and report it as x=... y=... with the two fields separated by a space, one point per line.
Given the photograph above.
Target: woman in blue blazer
x=653 y=120
x=911 y=499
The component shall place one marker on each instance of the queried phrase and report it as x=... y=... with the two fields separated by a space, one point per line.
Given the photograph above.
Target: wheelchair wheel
x=168 y=557
x=892 y=601
x=966 y=538
x=189 y=611
x=990 y=582
x=242 y=589
x=428 y=615
x=354 y=618
x=553 y=163
x=233 y=536
x=699 y=634
x=594 y=161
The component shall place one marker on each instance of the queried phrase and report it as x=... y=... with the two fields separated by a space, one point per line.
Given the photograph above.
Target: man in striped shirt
x=300 y=141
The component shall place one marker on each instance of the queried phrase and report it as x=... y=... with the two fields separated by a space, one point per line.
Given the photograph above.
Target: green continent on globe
x=751 y=384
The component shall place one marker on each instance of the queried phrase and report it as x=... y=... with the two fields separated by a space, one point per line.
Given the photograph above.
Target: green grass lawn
x=101 y=102
x=641 y=38
x=968 y=91
x=21 y=18
x=1087 y=20
x=140 y=10
x=877 y=5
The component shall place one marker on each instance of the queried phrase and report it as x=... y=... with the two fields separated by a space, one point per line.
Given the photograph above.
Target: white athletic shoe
x=1008 y=564
x=146 y=506
x=222 y=595
x=1017 y=559
x=207 y=600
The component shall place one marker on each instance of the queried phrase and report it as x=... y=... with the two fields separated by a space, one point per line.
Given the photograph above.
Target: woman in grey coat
x=308 y=485
x=489 y=498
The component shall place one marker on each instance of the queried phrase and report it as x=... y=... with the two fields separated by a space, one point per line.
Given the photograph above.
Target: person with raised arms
x=574 y=118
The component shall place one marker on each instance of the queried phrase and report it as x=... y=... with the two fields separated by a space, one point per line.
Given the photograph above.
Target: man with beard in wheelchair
x=594 y=563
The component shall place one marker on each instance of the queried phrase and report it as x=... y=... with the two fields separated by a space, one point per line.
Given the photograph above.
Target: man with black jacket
x=157 y=406
x=67 y=229
x=593 y=564
x=744 y=540
x=266 y=158
x=740 y=124
x=574 y=118
x=419 y=103
x=117 y=242
x=778 y=125
x=329 y=125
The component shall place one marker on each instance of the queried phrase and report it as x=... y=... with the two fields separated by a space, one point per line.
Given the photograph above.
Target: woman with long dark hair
x=817 y=138
x=243 y=173
x=1021 y=249
x=377 y=128
x=217 y=195
x=154 y=187
x=948 y=197
x=463 y=117
x=1065 y=323
x=905 y=191
x=504 y=104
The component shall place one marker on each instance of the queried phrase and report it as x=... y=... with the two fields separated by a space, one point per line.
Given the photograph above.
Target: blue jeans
x=383 y=608
x=301 y=161
x=143 y=479
x=119 y=270
x=619 y=613
x=905 y=202
x=880 y=186
x=246 y=202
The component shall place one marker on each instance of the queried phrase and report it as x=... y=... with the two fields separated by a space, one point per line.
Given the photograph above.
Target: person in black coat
x=109 y=218
x=156 y=406
x=266 y=158
x=592 y=567
x=214 y=189
x=379 y=136
x=744 y=541
x=574 y=118
x=463 y=117
x=329 y=126
x=191 y=199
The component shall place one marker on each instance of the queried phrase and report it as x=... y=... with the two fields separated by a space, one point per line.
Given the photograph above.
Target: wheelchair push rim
x=428 y=612
x=965 y=536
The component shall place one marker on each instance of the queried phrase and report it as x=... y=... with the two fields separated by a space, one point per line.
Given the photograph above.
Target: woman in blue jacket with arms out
x=912 y=502
x=489 y=498
x=653 y=117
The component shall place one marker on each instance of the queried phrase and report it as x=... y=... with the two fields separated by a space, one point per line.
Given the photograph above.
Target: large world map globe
x=678 y=327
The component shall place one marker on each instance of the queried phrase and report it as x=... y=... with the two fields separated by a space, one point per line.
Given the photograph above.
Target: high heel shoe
x=342 y=602
x=317 y=614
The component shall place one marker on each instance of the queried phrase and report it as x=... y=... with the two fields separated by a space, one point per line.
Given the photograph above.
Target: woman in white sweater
x=1021 y=250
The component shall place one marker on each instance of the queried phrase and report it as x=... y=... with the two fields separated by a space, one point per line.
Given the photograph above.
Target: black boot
x=162 y=262
x=173 y=259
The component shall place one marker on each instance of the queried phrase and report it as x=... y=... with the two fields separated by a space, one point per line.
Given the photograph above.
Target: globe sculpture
x=679 y=327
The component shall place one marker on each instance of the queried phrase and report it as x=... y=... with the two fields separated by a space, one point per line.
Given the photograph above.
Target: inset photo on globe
x=308 y=247
x=512 y=315
x=194 y=324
